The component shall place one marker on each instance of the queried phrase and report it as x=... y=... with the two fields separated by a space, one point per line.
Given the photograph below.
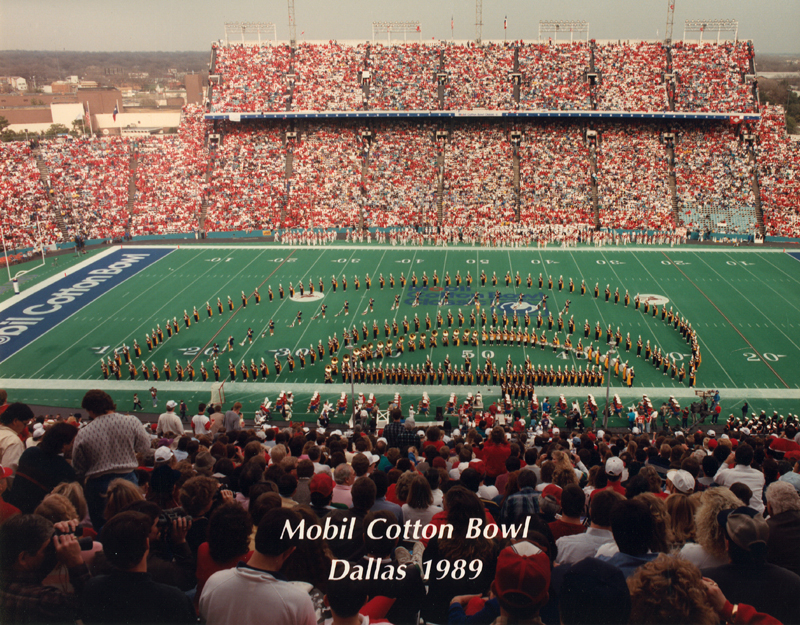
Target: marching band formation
x=370 y=347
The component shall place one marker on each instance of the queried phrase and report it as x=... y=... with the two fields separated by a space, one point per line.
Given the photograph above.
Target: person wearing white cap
x=36 y=436
x=680 y=482
x=169 y=422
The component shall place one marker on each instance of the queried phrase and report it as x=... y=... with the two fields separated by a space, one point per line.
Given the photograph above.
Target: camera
x=166 y=517
x=85 y=542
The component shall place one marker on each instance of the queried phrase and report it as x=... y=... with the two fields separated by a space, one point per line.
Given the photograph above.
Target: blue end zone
x=25 y=321
x=795 y=255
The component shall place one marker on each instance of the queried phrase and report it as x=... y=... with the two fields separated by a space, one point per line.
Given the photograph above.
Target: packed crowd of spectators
x=401 y=174
x=479 y=182
x=403 y=77
x=673 y=527
x=633 y=178
x=778 y=174
x=479 y=77
x=326 y=186
x=170 y=174
x=710 y=77
x=554 y=175
x=90 y=176
x=247 y=189
x=714 y=179
x=327 y=77
x=253 y=78
x=22 y=198
x=631 y=76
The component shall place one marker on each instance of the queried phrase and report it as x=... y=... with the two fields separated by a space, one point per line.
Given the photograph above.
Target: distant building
x=18 y=83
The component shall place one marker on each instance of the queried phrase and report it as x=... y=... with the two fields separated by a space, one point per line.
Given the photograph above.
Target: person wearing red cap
x=521 y=583
x=321 y=489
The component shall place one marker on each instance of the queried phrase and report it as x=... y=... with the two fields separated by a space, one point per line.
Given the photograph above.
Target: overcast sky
x=170 y=25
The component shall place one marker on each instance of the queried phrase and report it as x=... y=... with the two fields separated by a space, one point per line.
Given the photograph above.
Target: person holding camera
x=117 y=597
x=30 y=547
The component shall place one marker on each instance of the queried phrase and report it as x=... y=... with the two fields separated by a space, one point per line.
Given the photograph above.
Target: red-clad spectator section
x=778 y=174
x=23 y=198
x=170 y=178
x=553 y=76
x=327 y=78
x=253 y=78
x=711 y=77
x=479 y=77
x=401 y=176
x=555 y=175
x=631 y=77
x=714 y=179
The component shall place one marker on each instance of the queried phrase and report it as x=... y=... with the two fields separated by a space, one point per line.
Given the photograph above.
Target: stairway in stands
x=595 y=195
x=440 y=186
x=673 y=184
x=133 y=164
x=44 y=178
x=757 y=193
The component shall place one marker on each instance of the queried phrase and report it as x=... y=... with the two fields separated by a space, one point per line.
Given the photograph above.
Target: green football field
x=744 y=305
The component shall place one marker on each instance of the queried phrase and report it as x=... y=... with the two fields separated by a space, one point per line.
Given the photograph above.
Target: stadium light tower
x=396 y=27
x=478 y=21
x=561 y=26
x=250 y=28
x=292 y=24
x=703 y=26
x=670 y=20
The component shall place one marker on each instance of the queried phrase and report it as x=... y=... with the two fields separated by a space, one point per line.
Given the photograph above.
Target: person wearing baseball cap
x=749 y=578
x=321 y=490
x=680 y=481
x=614 y=468
x=169 y=422
x=521 y=583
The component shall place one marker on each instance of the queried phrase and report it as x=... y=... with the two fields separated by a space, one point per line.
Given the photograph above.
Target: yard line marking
x=699 y=338
x=728 y=320
x=294 y=349
x=770 y=288
x=103 y=321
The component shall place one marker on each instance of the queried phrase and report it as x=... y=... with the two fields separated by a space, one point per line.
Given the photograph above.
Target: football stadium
x=505 y=275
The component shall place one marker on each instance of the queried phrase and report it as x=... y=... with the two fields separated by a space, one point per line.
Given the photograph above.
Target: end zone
x=36 y=312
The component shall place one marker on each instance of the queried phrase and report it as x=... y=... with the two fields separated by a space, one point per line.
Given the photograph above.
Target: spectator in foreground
x=12 y=424
x=129 y=594
x=749 y=578
x=106 y=450
x=579 y=546
x=783 y=505
x=258 y=587
x=671 y=591
x=595 y=592
x=28 y=552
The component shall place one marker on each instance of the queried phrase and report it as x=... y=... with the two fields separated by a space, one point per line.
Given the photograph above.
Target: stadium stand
x=631 y=77
x=779 y=174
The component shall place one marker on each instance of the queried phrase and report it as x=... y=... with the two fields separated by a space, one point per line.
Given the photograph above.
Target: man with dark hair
x=12 y=424
x=580 y=546
x=573 y=502
x=749 y=578
x=106 y=450
x=632 y=524
x=118 y=597
x=742 y=472
x=252 y=592
x=393 y=430
x=594 y=591
x=28 y=553
x=522 y=503
x=305 y=471
x=321 y=490
x=287 y=485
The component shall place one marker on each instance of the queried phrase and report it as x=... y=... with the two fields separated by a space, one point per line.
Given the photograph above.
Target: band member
x=250 y=335
x=280 y=291
x=230 y=343
x=230 y=303
x=219 y=306
x=257 y=295
x=186 y=321
x=217 y=372
x=145 y=370
x=270 y=294
x=244 y=300
x=137 y=349
x=203 y=372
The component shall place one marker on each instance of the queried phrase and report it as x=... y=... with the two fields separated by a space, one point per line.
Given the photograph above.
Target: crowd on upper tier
x=625 y=76
x=268 y=174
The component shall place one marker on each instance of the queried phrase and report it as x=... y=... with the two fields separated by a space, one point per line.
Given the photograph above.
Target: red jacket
x=495 y=456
